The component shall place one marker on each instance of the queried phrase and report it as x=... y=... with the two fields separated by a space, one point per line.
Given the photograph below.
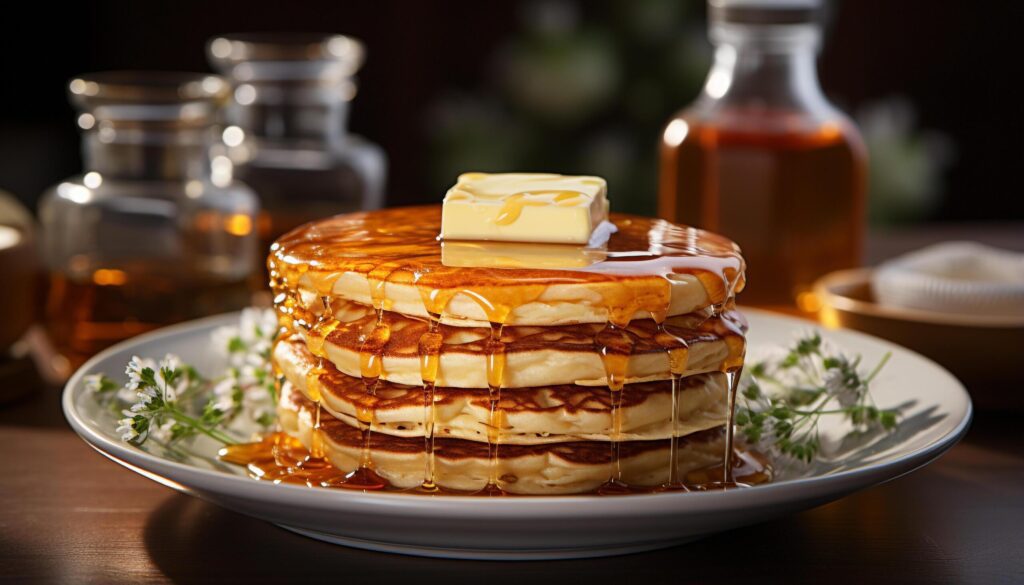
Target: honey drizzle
x=320 y=253
x=497 y=304
x=435 y=301
x=616 y=347
x=678 y=353
x=281 y=458
x=495 y=422
x=514 y=204
x=429 y=350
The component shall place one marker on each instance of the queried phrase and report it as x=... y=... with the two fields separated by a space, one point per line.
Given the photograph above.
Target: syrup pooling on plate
x=637 y=268
x=276 y=457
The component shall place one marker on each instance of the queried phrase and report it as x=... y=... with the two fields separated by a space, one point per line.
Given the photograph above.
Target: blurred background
x=140 y=219
x=931 y=85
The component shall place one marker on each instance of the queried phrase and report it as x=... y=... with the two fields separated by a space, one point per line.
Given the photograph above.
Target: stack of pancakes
x=525 y=369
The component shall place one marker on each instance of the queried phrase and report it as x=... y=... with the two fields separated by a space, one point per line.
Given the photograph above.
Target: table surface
x=68 y=515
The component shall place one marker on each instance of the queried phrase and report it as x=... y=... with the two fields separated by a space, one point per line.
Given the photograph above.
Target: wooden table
x=67 y=515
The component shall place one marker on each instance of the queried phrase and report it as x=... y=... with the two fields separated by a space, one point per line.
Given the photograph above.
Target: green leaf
x=752 y=391
x=235 y=344
x=147 y=377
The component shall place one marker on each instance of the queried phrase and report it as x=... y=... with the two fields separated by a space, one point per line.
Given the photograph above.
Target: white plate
x=936 y=413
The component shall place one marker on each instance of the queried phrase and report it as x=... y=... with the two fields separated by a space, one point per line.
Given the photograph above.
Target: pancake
x=562 y=468
x=392 y=260
x=537 y=415
x=534 y=356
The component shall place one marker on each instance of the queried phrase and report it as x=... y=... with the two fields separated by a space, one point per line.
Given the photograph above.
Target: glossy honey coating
x=654 y=295
x=370 y=254
x=539 y=415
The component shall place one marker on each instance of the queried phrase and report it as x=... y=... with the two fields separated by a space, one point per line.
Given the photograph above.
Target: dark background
x=955 y=61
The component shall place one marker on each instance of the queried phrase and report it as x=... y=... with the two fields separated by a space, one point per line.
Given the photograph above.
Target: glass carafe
x=155 y=231
x=289 y=138
x=764 y=158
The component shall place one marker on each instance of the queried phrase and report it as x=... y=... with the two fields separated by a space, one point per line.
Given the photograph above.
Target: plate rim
x=555 y=506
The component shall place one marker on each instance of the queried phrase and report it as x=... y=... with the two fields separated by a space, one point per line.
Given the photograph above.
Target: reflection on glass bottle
x=289 y=138
x=153 y=232
x=762 y=156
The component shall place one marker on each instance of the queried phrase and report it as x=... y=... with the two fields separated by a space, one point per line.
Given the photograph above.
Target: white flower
x=221 y=338
x=257 y=404
x=126 y=427
x=134 y=370
x=840 y=385
x=224 y=392
x=144 y=397
x=249 y=343
x=171 y=388
x=93 y=382
x=257 y=325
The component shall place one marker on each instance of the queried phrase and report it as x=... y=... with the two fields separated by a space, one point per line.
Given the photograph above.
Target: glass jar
x=763 y=157
x=155 y=231
x=289 y=138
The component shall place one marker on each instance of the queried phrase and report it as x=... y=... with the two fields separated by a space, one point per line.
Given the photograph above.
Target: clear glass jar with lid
x=289 y=136
x=155 y=230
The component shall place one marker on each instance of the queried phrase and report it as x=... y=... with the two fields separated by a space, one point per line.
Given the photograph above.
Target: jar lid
x=764 y=12
x=149 y=95
x=344 y=54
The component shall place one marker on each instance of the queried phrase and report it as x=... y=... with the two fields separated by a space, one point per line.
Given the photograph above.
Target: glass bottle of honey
x=155 y=231
x=763 y=157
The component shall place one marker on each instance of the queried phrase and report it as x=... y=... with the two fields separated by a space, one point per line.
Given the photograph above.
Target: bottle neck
x=289 y=112
x=148 y=154
x=765 y=68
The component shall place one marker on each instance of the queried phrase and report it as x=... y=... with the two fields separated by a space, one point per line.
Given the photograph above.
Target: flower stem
x=212 y=433
x=878 y=368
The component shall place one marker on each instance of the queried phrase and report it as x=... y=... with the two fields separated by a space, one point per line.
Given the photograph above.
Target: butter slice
x=524 y=207
x=518 y=255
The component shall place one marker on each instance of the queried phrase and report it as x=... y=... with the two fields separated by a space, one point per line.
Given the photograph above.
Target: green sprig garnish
x=781 y=401
x=169 y=401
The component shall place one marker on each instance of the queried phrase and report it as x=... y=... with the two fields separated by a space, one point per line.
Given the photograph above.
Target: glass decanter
x=155 y=231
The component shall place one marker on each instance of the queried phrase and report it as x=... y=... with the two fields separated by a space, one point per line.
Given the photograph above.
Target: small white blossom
x=93 y=382
x=126 y=428
x=223 y=393
x=158 y=399
x=170 y=390
x=250 y=342
x=837 y=385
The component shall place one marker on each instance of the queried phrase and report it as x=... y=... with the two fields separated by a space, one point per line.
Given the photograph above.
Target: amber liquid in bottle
x=792 y=198
x=86 y=315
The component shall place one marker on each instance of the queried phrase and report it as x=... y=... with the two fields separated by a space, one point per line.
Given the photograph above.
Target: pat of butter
x=518 y=255
x=524 y=207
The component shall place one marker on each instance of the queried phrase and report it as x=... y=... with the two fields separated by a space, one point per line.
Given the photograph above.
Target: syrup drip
x=400 y=245
x=678 y=358
x=616 y=347
x=732 y=366
x=434 y=301
x=495 y=377
x=429 y=350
